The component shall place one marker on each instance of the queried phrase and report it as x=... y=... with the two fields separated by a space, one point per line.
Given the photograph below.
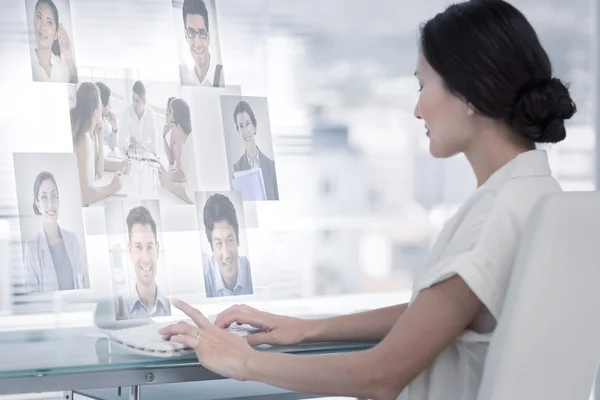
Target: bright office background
x=361 y=198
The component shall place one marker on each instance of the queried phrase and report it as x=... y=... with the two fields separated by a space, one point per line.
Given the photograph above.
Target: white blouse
x=58 y=73
x=188 y=167
x=479 y=244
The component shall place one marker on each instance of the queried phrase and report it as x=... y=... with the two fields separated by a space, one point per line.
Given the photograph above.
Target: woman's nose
x=417 y=112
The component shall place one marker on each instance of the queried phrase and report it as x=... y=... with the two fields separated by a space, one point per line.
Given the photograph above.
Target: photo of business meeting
x=138 y=268
x=356 y=181
x=250 y=147
x=200 y=52
x=134 y=141
x=226 y=265
x=51 y=41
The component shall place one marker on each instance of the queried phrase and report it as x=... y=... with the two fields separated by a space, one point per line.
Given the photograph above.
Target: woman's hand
x=221 y=352
x=112 y=120
x=166 y=130
x=277 y=330
x=99 y=132
x=164 y=177
x=125 y=166
x=64 y=43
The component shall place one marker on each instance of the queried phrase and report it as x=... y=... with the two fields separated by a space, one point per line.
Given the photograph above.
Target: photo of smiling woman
x=52 y=58
x=248 y=131
x=52 y=258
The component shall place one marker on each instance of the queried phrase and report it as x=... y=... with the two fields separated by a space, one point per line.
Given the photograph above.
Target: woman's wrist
x=311 y=329
x=251 y=369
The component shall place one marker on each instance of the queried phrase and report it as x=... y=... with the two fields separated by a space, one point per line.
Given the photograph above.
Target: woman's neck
x=147 y=294
x=44 y=55
x=252 y=151
x=494 y=149
x=52 y=231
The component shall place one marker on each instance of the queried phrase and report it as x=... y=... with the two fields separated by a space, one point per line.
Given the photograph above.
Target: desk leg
x=135 y=393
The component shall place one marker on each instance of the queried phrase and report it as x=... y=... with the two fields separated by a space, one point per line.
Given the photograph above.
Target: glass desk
x=83 y=361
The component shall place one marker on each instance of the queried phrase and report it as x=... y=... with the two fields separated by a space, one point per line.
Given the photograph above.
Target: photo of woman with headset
x=52 y=258
x=52 y=51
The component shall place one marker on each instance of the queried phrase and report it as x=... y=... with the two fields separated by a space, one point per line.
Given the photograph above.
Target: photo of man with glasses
x=206 y=70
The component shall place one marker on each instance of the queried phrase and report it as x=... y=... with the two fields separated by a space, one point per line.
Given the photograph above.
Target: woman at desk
x=52 y=59
x=88 y=138
x=487 y=91
x=183 y=181
x=52 y=258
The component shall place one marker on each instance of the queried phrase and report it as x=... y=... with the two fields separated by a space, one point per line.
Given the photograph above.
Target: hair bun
x=540 y=110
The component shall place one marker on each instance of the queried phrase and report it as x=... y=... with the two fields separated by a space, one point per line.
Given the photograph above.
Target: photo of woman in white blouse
x=52 y=58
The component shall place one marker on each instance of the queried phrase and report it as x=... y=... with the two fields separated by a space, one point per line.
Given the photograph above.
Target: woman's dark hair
x=244 y=107
x=181 y=115
x=86 y=103
x=50 y=3
x=169 y=100
x=218 y=208
x=489 y=54
x=39 y=179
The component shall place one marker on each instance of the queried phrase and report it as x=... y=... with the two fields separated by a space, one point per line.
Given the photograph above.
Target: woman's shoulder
x=32 y=243
x=522 y=193
x=68 y=235
x=83 y=142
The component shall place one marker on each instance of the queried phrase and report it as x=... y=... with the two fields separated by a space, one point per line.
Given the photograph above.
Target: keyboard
x=145 y=340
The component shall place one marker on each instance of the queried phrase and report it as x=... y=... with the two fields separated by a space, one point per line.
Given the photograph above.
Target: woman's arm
x=99 y=151
x=367 y=325
x=370 y=325
x=177 y=176
x=438 y=315
x=180 y=192
x=168 y=149
x=116 y=166
x=89 y=193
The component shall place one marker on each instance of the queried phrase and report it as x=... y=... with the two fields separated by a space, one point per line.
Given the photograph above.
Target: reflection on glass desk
x=78 y=359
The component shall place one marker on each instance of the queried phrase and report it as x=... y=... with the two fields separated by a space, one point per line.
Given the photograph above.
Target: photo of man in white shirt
x=138 y=122
x=206 y=70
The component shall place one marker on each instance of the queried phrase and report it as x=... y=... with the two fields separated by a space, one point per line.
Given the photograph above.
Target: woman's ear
x=470 y=109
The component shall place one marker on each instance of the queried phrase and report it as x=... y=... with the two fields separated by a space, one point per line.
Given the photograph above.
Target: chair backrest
x=547 y=342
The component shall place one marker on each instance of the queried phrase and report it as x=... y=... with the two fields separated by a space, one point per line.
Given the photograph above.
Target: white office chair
x=546 y=345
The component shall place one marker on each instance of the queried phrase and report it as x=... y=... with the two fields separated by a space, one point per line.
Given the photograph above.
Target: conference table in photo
x=142 y=181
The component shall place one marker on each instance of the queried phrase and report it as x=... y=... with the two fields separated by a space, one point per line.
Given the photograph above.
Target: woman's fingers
x=181 y=328
x=256 y=339
x=185 y=340
x=228 y=317
x=199 y=319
